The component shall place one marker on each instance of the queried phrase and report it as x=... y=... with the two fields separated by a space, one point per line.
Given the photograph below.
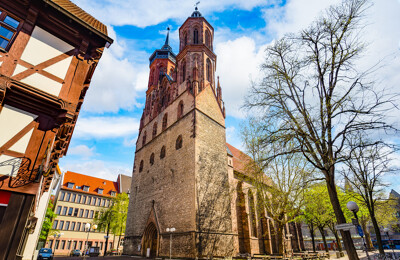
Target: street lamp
x=353 y=207
x=87 y=228
x=55 y=239
x=170 y=230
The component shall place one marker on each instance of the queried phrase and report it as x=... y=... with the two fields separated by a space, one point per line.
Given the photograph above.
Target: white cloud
x=238 y=64
x=97 y=168
x=106 y=127
x=140 y=13
x=116 y=80
x=82 y=150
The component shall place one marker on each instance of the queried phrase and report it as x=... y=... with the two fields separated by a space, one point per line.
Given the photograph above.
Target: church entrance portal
x=150 y=240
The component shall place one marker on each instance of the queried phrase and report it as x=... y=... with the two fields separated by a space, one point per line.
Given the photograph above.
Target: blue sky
x=103 y=143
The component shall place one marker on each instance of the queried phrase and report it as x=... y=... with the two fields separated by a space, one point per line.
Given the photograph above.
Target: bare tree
x=367 y=163
x=312 y=92
x=280 y=181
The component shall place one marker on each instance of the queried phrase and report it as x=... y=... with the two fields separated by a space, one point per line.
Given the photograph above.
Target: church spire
x=166 y=44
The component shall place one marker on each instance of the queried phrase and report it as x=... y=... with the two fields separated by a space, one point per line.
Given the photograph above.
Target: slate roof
x=81 y=15
x=94 y=184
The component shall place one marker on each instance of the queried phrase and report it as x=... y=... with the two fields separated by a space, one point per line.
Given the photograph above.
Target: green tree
x=48 y=221
x=279 y=180
x=113 y=219
x=313 y=92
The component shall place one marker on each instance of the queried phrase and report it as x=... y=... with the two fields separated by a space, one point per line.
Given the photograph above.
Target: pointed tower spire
x=166 y=44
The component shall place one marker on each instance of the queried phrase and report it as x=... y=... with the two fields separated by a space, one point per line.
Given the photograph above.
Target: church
x=190 y=195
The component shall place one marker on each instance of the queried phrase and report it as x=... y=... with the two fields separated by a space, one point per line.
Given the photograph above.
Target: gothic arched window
x=209 y=70
x=208 y=39
x=178 y=144
x=141 y=166
x=152 y=159
x=151 y=77
x=154 y=129
x=180 y=109
x=165 y=121
x=195 y=36
x=144 y=138
x=253 y=223
x=162 y=152
x=185 y=39
x=183 y=71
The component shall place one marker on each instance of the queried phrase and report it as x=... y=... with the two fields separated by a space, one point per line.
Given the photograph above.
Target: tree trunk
x=108 y=232
x=312 y=231
x=321 y=230
x=346 y=236
x=377 y=232
x=367 y=234
x=280 y=238
x=338 y=241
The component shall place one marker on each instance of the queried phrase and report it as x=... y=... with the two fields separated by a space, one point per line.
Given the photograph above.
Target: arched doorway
x=150 y=240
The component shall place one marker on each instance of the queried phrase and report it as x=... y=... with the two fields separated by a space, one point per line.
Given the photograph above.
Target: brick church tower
x=180 y=178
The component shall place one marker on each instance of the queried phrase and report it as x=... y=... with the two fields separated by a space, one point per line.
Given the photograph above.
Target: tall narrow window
x=141 y=166
x=162 y=152
x=178 y=144
x=154 y=129
x=253 y=223
x=185 y=39
x=165 y=121
x=195 y=36
x=183 y=71
x=208 y=68
x=152 y=159
x=8 y=29
x=180 y=109
x=208 y=39
x=144 y=138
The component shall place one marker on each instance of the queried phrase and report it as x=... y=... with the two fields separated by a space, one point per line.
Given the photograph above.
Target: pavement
x=361 y=255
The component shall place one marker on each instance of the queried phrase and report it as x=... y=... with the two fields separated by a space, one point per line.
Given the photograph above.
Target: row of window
x=84 y=199
x=208 y=39
x=76 y=212
x=164 y=123
x=70 y=245
x=72 y=226
x=178 y=145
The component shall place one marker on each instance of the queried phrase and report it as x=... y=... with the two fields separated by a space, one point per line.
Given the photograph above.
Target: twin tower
x=180 y=177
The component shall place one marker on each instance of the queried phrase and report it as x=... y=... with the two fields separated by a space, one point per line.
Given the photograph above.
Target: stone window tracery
x=144 y=138
x=208 y=39
x=154 y=129
x=178 y=144
x=196 y=36
x=165 y=121
x=209 y=70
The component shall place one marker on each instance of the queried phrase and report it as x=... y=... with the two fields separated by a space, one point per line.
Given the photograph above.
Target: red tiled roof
x=93 y=182
x=80 y=14
x=240 y=159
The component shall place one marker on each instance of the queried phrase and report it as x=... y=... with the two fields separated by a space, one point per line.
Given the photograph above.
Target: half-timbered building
x=49 y=50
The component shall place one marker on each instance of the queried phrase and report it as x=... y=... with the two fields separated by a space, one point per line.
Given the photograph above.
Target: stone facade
x=185 y=176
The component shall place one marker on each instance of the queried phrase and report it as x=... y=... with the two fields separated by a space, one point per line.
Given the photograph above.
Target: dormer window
x=113 y=193
x=70 y=185
x=100 y=191
x=85 y=188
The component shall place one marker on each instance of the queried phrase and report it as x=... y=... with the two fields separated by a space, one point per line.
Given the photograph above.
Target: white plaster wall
x=43 y=46
x=40 y=213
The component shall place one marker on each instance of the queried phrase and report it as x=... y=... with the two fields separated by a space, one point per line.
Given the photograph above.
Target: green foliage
x=48 y=221
x=115 y=216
